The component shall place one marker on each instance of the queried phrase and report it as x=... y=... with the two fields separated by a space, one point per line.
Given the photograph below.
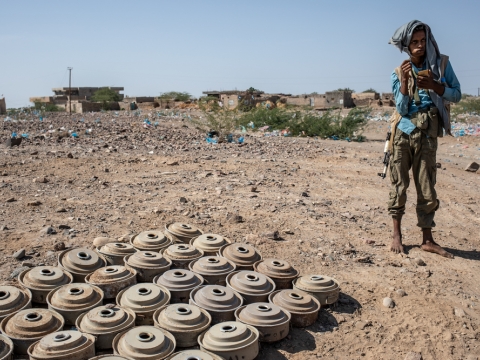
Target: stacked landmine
x=200 y=294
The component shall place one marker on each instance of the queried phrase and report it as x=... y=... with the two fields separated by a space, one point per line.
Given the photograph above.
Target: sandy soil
x=117 y=181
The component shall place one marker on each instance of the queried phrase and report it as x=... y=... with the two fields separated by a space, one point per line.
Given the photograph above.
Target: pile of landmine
x=164 y=290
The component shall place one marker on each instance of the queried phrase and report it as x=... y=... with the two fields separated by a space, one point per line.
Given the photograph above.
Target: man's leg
x=425 y=173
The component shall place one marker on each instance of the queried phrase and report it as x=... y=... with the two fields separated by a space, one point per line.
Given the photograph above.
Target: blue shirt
x=407 y=108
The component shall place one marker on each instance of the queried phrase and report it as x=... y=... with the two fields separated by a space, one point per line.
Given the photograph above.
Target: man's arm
x=401 y=100
x=452 y=93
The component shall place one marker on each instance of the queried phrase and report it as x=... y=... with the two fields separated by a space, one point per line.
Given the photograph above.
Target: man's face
x=417 y=44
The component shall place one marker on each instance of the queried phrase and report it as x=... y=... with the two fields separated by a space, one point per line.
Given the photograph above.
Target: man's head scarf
x=401 y=39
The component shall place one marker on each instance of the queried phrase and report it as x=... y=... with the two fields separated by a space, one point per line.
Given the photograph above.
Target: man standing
x=423 y=86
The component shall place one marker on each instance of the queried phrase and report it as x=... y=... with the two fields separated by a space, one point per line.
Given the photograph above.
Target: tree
x=345 y=89
x=176 y=96
x=105 y=95
x=370 y=91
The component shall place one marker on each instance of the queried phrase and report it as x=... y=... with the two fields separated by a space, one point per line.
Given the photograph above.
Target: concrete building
x=3 y=106
x=232 y=98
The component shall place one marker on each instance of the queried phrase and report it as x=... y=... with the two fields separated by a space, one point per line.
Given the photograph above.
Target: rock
x=172 y=163
x=70 y=156
x=10 y=200
x=360 y=325
x=64 y=227
x=288 y=232
x=48 y=230
x=40 y=180
x=419 y=262
x=253 y=189
x=60 y=246
x=438 y=165
x=28 y=263
x=459 y=312
x=413 y=356
x=183 y=200
x=388 y=303
x=13 y=142
x=234 y=218
x=472 y=167
x=17 y=271
x=3 y=228
x=272 y=235
x=401 y=292
x=60 y=210
x=34 y=203
x=19 y=254
x=448 y=336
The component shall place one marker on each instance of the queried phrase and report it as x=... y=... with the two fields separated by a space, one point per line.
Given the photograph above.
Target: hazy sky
x=150 y=47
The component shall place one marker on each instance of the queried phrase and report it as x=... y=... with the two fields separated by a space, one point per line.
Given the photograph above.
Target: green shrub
x=176 y=96
x=47 y=107
x=105 y=95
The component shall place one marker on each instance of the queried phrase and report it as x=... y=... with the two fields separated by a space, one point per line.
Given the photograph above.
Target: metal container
x=13 y=299
x=63 y=345
x=148 y=264
x=231 y=340
x=110 y=357
x=214 y=269
x=194 y=355
x=40 y=280
x=6 y=348
x=210 y=243
x=30 y=325
x=144 y=299
x=180 y=283
x=112 y=279
x=324 y=288
x=271 y=321
x=115 y=252
x=220 y=301
x=74 y=299
x=181 y=255
x=105 y=322
x=254 y=287
x=303 y=307
x=280 y=271
x=80 y=262
x=144 y=342
x=242 y=255
x=184 y=321
x=152 y=240
x=182 y=233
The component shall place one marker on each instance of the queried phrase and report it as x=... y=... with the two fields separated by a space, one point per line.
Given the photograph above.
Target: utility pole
x=70 y=90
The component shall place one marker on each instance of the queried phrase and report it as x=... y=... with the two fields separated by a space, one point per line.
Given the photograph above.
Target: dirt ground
x=323 y=196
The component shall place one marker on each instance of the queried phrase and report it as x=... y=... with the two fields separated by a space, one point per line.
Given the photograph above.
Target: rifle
x=386 y=156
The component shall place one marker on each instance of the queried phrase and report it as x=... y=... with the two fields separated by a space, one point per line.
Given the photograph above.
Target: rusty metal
x=115 y=252
x=303 y=307
x=74 y=299
x=148 y=264
x=63 y=345
x=152 y=240
x=180 y=283
x=324 y=288
x=271 y=321
x=254 y=287
x=144 y=299
x=210 y=243
x=182 y=233
x=30 y=325
x=243 y=255
x=220 y=301
x=80 y=262
x=181 y=255
x=194 y=355
x=214 y=269
x=6 y=348
x=280 y=271
x=144 y=342
x=112 y=279
x=184 y=321
x=13 y=299
x=231 y=340
x=41 y=280
x=105 y=322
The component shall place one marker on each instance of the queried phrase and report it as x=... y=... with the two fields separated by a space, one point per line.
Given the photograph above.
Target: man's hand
x=406 y=69
x=428 y=83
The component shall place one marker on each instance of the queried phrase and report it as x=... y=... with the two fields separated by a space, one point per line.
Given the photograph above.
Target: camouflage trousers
x=417 y=152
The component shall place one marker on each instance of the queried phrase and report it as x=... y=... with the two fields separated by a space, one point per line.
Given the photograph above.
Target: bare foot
x=433 y=247
x=396 y=245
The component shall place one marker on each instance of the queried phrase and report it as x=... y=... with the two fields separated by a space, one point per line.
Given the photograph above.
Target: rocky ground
x=323 y=196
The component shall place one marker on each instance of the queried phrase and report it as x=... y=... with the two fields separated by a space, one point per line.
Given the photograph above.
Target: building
x=3 y=106
x=232 y=98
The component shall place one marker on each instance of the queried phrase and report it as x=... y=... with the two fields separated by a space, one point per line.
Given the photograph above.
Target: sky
x=150 y=47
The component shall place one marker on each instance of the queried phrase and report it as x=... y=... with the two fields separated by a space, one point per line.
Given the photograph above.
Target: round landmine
x=324 y=288
x=280 y=271
x=6 y=348
x=63 y=345
x=214 y=269
x=115 y=252
x=105 y=322
x=148 y=264
x=13 y=299
x=231 y=340
x=74 y=299
x=41 y=280
x=112 y=279
x=182 y=233
x=80 y=262
x=254 y=287
x=220 y=301
x=302 y=307
x=110 y=357
x=152 y=240
x=180 y=283
x=194 y=355
x=210 y=244
x=181 y=255
x=184 y=321
x=242 y=255
x=144 y=299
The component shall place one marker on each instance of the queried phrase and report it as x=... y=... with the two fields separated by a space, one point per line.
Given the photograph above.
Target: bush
x=277 y=119
x=221 y=120
x=47 y=107
x=370 y=91
x=176 y=96
x=105 y=95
